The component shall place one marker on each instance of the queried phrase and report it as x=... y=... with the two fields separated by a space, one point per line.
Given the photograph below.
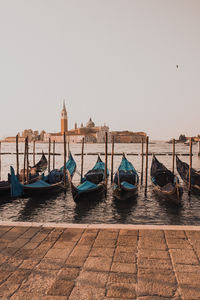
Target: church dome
x=90 y=124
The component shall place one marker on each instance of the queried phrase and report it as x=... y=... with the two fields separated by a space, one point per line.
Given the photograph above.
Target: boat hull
x=123 y=194
x=174 y=195
x=89 y=194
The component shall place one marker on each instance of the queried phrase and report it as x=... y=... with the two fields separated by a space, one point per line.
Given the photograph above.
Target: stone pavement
x=38 y=262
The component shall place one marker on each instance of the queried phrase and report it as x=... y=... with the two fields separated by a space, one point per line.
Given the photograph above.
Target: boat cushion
x=128 y=185
x=37 y=184
x=85 y=186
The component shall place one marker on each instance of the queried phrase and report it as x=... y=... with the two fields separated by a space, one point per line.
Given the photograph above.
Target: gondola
x=92 y=184
x=53 y=182
x=183 y=170
x=126 y=181
x=165 y=183
x=34 y=175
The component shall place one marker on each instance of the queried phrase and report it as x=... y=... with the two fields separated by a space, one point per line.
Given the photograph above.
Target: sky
x=112 y=60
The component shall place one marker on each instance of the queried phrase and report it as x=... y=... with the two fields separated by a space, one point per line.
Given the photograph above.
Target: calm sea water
x=147 y=209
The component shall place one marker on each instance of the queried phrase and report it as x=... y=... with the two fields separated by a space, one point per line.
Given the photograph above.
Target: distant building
x=90 y=132
x=128 y=136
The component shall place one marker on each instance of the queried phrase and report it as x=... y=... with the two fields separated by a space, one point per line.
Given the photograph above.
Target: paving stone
x=128 y=232
x=96 y=279
x=68 y=274
x=151 y=253
x=39 y=282
x=87 y=293
x=50 y=264
x=87 y=240
x=38 y=238
x=126 y=249
x=18 y=243
x=23 y=253
x=58 y=253
x=188 y=278
x=121 y=278
x=11 y=264
x=151 y=233
x=178 y=234
x=75 y=261
x=61 y=288
x=125 y=258
x=4 y=275
x=190 y=292
x=148 y=263
x=70 y=236
x=30 y=245
x=18 y=276
x=178 y=244
x=121 y=290
x=98 y=264
x=63 y=245
x=161 y=283
x=105 y=252
x=81 y=251
x=123 y=267
x=182 y=256
x=124 y=240
x=29 y=263
x=7 y=289
x=104 y=243
x=150 y=243
x=30 y=232
x=107 y=235
x=187 y=268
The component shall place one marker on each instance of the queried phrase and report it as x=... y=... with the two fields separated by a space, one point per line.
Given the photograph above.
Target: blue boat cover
x=126 y=165
x=39 y=183
x=128 y=185
x=70 y=165
x=126 y=173
x=85 y=186
x=17 y=188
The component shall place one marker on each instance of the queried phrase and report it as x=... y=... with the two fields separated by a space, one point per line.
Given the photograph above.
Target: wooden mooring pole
x=146 y=168
x=106 y=156
x=49 y=156
x=54 y=147
x=82 y=154
x=27 y=162
x=68 y=149
x=112 y=158
x=24 y=167
x=64 y=162
x=142 y=167
x=34 y=153
x=190 y=166
x=199 y=148
x=0 y=160
x=17 y=155
x=173 y=156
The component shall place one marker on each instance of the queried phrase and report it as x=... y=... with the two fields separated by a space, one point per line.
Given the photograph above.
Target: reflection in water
x=123 y=209
x=83 y=208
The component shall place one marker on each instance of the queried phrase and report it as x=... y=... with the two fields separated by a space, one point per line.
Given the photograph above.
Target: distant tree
x=182 y=138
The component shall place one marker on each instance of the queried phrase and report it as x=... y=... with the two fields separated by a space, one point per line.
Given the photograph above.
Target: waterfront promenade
x=103 y=262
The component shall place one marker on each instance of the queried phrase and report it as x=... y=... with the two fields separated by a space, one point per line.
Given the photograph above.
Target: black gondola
x=92 y=184
x=165 y=183
x=53 y=182
x=183 y=170
x=126 y=181
x=33 y=176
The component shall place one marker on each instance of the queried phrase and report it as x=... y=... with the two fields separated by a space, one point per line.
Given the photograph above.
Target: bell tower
x=64 y=119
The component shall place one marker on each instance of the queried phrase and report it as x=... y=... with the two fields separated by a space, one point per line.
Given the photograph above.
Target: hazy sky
x=112 y=60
